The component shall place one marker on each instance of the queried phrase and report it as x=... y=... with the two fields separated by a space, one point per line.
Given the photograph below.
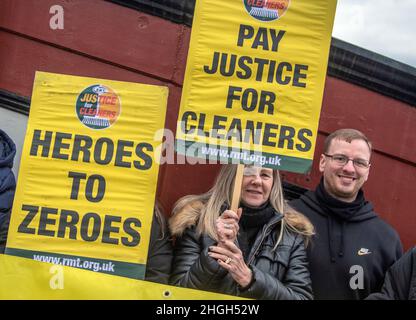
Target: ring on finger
x=228 y=260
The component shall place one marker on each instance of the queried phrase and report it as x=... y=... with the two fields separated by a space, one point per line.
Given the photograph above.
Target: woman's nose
x=256 y=179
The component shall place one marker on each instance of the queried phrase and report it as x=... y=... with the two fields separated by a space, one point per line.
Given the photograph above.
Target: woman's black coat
x=280 y=274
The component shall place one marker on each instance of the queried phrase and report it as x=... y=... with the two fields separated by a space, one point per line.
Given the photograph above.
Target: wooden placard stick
x=235 y=200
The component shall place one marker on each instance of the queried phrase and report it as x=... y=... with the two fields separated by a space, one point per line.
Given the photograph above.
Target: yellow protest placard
x=254 y=81
x=26 y=279
x=88 y=174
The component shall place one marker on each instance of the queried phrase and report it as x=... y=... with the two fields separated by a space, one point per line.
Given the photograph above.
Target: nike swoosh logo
x=363 y=252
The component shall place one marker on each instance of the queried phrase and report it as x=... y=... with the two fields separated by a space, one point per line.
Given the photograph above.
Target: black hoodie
x=7 y=184
x=352 y=248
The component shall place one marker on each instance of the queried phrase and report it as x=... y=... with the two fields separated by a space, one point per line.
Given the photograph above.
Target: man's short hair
x=347 y=135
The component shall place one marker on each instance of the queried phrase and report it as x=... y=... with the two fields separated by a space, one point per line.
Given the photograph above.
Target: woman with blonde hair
x=257 y=252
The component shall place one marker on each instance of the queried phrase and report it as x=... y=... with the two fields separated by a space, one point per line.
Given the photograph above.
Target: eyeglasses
x=342 y=160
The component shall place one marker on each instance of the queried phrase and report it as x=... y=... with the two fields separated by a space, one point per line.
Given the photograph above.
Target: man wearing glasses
x=353 y=247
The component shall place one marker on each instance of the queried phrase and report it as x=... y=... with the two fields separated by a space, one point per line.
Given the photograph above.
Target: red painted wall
x=104 y=40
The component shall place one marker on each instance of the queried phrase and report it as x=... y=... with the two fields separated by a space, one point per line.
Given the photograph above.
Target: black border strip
x=372 y=71
x=178 y=11
x=14 y=102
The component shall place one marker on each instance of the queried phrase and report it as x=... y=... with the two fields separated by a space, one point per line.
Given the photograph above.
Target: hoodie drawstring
x=331 y=252
x=341 y=248
x=341 y=245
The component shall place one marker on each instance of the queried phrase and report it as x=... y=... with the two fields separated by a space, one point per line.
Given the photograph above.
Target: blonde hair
x=213 y=200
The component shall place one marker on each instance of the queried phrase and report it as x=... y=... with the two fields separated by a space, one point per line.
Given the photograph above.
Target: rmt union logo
x=266 y=10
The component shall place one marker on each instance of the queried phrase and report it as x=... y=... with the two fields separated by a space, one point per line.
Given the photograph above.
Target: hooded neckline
x=362 y=212
x=341 y=209
x=338 y=212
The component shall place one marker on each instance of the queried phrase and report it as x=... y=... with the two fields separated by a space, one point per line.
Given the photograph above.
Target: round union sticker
x=98 y=106
x=266 y=10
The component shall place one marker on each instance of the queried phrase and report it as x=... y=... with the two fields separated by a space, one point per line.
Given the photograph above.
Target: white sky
x=387 y=27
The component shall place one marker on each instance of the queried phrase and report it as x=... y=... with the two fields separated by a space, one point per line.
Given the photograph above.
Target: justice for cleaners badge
x=98 y=107
x=266 y=10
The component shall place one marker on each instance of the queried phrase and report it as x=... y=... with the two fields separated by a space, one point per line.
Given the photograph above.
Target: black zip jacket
x=7 y=185
x=400 y=281
x=280 y=274
x=348 y=257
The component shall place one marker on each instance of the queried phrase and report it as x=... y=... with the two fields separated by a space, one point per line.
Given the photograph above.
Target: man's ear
x=322 y=163
x=367 y=174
